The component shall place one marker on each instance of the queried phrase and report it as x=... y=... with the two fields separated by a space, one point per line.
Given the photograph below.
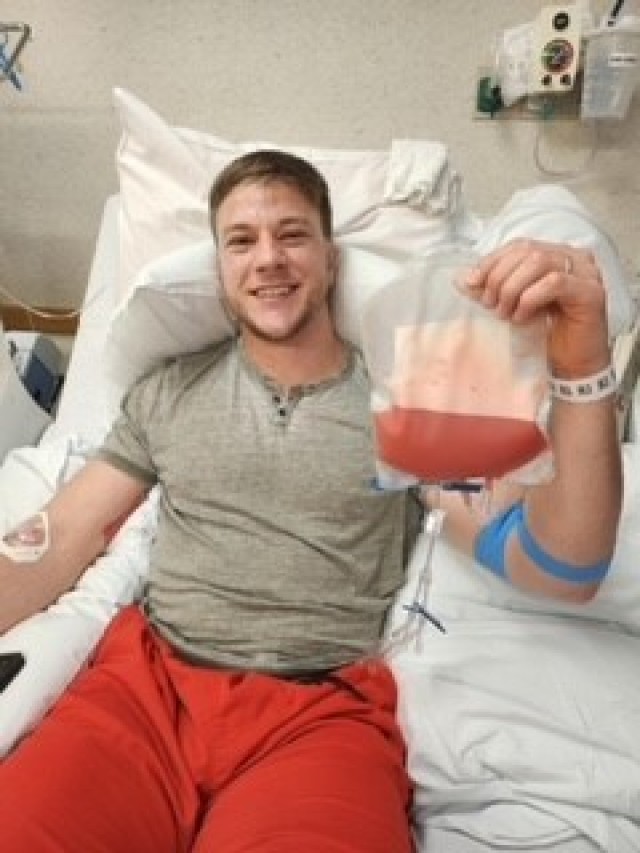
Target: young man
x=242 y=707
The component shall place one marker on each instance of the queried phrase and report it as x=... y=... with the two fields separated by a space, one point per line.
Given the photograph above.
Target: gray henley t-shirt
x=273 y=550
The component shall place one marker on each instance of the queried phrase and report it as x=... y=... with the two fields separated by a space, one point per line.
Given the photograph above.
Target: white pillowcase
x=395 y=201
x=461 y=588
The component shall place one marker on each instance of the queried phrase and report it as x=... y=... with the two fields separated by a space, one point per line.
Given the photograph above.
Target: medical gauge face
x=557 y=56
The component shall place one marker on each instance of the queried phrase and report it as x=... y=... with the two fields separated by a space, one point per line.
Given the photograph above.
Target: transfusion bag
x=457 y=393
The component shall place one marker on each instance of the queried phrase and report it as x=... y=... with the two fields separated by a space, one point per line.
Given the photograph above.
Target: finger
x=561 y=257
x=485 y=280
x=545 y=278
x=580 y=264
x=559 y=293
x=500 y=280
x=539 y=298
x=509 y=283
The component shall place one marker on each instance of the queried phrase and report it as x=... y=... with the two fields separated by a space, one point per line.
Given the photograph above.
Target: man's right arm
x=80 y=522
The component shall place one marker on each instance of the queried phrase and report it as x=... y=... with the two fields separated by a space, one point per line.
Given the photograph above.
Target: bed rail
x=626 y=359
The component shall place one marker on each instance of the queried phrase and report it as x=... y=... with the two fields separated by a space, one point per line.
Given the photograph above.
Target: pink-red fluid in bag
x=440 y=446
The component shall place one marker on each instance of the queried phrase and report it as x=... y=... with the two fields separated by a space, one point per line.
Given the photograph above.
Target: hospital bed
x=521 y=719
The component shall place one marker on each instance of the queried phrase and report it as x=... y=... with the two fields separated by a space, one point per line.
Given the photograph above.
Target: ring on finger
x=568 y=264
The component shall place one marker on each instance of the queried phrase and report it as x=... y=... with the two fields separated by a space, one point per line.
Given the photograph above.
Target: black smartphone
x=10 y=665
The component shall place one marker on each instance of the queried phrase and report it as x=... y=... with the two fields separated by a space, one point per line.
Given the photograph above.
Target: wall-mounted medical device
x=13 y=40
x=564 y=55
x=611 y=69
x=555 y=49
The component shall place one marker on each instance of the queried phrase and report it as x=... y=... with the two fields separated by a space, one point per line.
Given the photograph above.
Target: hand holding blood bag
x=458 y=393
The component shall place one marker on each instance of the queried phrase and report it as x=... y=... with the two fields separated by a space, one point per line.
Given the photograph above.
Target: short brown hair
x=268 y=165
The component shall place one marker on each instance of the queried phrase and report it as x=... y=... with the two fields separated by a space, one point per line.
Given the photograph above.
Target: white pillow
x=461 y=587
x=175 y=307
x=553 y=213
x=393 y=200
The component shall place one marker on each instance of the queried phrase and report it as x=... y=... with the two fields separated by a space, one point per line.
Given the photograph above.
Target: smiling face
x=276 y=265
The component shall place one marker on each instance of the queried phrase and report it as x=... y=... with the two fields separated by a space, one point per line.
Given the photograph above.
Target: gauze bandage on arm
x=28 y=542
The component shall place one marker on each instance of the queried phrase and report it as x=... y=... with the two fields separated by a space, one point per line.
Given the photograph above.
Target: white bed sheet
x=520 y=727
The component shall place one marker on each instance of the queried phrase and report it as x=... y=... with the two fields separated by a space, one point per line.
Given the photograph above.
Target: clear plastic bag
x=458 y=394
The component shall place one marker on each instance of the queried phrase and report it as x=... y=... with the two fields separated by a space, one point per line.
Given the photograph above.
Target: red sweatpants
x=146 y=754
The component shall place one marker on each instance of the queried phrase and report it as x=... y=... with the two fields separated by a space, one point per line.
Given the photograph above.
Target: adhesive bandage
x=28 y=542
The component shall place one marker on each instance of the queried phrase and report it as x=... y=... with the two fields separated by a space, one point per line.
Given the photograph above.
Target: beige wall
x=344 y=73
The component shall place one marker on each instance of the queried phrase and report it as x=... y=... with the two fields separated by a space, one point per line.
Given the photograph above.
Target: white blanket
x=522 y=733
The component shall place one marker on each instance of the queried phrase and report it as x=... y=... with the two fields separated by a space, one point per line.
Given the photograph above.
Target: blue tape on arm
x=490 y=543
x=569 y=572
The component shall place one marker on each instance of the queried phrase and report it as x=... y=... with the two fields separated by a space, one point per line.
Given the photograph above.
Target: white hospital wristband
x=586 y=389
